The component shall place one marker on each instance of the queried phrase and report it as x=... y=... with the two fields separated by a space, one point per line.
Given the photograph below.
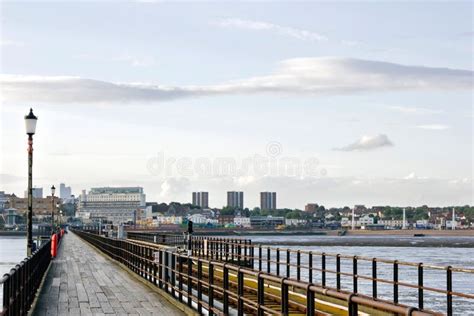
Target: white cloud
x=135 y=61
x=302 y=76
x=5 y=42
x=437 y=127
x=172 y=187
x=368 y=143
x=413 y=110
x=300 y=34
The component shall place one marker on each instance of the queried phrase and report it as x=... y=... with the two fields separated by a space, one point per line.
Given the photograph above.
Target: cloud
x=6 y=178
x=437 y=127
x=301 y=76
x=4 y=42
x=368 y=143
x=300 y=34
x=172 y=187
x=414 y=110
x=135 y=61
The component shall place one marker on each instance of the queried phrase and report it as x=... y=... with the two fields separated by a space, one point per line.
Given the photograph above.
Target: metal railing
x=232 y=250
x=21 y=284
x=159 y=238
x=344 y=271
x=218 y=286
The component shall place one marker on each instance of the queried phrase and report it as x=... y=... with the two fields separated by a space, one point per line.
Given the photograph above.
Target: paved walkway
x=83 y=282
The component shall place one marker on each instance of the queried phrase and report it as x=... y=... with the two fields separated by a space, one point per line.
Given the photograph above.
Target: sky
x=335 y=103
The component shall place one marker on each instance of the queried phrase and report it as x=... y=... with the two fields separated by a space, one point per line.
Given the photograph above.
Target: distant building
x=4 y=198
x=64 y=191
x=12 y=218
x=225 y=219
x=201 y=219
x=296 y=222
x=360 y=222
x=201 y=199
x=37 y=193
x=114 y=204
x=391 y=223
x=235 y=199
x=41 y=206
x=268 y=200
x=240 y=221
x=266 y=221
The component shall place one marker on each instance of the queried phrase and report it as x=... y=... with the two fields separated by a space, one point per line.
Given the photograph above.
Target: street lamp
x=30 y=124
x=53 y=189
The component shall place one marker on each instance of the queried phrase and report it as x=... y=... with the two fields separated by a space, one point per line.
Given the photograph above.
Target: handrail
x=22 y=282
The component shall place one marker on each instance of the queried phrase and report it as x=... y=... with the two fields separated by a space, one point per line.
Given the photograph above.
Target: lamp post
x=53 y=189
x=30 y=124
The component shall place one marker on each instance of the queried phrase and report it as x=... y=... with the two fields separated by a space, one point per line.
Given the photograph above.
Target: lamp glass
x=30 y=123
x=53 y=190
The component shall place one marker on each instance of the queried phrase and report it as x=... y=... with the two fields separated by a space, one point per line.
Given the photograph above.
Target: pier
x=82 y=281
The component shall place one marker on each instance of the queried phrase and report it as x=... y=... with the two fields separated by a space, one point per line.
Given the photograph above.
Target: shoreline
x=377 y=242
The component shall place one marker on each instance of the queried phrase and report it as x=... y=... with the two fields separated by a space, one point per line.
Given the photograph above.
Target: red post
x=54 y=244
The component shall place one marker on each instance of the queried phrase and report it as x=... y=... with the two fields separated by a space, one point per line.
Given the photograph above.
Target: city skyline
x=288 y=82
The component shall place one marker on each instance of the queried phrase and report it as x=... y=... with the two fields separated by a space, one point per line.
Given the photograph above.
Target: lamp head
x=30 y=123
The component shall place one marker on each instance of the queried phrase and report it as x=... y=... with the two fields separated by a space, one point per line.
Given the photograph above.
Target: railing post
x=449 y=289
x=259 y=257
x=211 y=288
x=252 y=259
x=420 y=285
x=226 y=251
x=277 y=261
x=166 y=270
x=284 y=297
x=395 y=282
x=260 y=294
x=240 y=292
x=309 y=300
x=338 y=272
x=288 y=260
x=173 y=273
x=354 y=274
x=374 y=277
x=226 y=289
x=352 y=307
x=310 y=267
x=199 y=286
x=160 y=269
x=180 y=278
x=323 y=268
x=190 y=282
x=298 y=263
x=268 y=260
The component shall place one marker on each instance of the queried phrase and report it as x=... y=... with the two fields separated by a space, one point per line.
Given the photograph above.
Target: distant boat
x=418 y=235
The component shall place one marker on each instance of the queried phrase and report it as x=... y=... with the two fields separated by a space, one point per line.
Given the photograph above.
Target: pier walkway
x=81 y=281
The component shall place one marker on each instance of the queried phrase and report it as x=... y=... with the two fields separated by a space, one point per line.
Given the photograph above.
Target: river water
x=13 y=250
x=455 y=256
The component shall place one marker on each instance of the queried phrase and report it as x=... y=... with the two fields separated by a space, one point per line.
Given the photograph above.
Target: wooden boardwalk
x=83 y=282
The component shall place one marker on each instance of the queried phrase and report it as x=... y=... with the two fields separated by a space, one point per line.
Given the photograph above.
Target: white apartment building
x=115 y=204
x=167 y=220
x=391 y=222
x=240 y=221
x=360 y=222
x=295 y=222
